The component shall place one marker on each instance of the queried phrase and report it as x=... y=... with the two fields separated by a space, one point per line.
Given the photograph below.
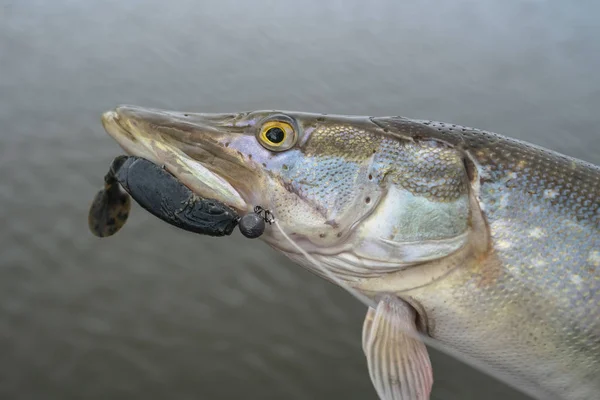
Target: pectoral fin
x=398 y=362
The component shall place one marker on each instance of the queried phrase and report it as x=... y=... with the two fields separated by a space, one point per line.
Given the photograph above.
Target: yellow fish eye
x=277 y=135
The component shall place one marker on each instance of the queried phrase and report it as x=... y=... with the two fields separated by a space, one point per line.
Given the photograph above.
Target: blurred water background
x=157 y=313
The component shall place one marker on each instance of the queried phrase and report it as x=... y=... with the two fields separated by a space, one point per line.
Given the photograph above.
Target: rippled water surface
x=156 y=313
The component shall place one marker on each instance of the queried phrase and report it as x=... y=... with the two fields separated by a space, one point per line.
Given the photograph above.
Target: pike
x=459 y=238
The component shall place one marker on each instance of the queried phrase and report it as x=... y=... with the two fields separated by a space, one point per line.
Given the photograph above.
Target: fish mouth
x=191 y=146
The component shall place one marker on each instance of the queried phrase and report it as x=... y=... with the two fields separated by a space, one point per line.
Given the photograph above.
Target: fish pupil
x=275 y=135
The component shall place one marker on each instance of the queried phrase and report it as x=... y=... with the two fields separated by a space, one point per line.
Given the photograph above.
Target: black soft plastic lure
x=161 y=194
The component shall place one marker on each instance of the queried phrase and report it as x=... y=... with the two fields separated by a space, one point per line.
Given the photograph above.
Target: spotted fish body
x=532 y=307
x=487 y=245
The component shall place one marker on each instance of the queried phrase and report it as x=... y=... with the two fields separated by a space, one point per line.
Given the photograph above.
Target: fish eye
x=277 y=135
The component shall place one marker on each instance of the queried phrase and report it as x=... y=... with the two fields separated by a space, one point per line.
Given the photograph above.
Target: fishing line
x=359 y=296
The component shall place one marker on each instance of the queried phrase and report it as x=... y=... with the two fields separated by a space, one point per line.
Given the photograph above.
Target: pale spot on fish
x=573 y=165
x=594 y=258
x=501 y=225
x=504 y=200
x=536 y=232
x=503 y=244
x=550 y=193
x=576 y=279
x=509 y=177
x=537 y=262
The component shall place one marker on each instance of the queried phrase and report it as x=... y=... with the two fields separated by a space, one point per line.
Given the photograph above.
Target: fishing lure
x=164 y=196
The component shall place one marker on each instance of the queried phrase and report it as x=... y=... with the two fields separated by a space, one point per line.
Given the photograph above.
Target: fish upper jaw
x=190 y=146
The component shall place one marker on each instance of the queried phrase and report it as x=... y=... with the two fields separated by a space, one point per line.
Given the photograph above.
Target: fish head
x=311 y=183
x=341 y=188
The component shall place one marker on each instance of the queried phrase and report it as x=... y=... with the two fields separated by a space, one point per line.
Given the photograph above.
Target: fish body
x=486 y=245
x=536 y=290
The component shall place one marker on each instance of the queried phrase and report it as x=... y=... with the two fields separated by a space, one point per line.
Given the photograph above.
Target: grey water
x=157 y=313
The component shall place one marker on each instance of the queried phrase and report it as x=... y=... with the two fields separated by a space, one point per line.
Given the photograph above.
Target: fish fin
x=398 y=361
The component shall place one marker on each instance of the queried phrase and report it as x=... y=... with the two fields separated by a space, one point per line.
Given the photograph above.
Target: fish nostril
x=368 y=200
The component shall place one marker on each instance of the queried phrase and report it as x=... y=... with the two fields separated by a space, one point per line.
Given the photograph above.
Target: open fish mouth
x=189 y=146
